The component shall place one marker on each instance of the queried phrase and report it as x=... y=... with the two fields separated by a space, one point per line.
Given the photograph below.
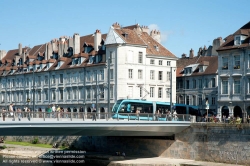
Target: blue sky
x=184 y=24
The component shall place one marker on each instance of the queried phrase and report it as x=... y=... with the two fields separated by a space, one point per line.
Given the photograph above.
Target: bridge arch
x=225 y=111
x=237 y=111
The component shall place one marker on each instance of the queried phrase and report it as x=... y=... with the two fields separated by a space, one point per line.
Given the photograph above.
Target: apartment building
x=234 y=73
x=197 y=78
x=91 y=71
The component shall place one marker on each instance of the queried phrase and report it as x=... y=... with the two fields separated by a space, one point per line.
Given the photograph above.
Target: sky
x=184 y=24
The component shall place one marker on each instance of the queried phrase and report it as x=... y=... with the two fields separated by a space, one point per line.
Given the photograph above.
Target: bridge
x=77 y=124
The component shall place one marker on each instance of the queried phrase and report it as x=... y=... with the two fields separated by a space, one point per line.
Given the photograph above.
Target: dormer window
x=125 y=35
x=157 y=48
x=237 y=40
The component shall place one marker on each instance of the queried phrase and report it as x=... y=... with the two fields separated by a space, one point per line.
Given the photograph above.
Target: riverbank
x=106 y=159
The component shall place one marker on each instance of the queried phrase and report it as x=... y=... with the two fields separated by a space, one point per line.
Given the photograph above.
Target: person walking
x=11 y=110
x=19 y=113
x=4 y=114
x=94 y=115
x=28 y=114
x=48 y=112
x=53 y=111
x=81 y=112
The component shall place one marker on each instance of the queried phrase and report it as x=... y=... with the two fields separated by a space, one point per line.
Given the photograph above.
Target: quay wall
x=215 y=142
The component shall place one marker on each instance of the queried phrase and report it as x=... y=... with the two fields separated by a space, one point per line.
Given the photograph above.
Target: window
x=46 y=96
x=248 y=60
x=68 y=77
x=81 y=76
x=53 y=79
x=167 y=94
x=237 y=62
x=61 y=79
x=160 y=62
x=140 y=60
x=194 y=84
x=13 y=83
x=213 y=82
x=39 y=81
x=101 y=75
x=111 y=74
x=27 y=81
x=236 y=86
x=168 y=63
x=74 y=94
x=17 y=80
x=139 y=74
x=200 y=100
x=159 y=92
x=61 y=94
x=102 y=92
x=68 y=94
x=194 y=100
x=140 y=92
x=237 y=40
x=53 y=94
x=111 y=92
x=152 y=91
x=39 y=95
x=152 y=61
x=130 y=73
x=152 y=74
x=46 y=80
x=88 y=93
x=224 y=86
x=206 y=83
x=248 y=85
x=111 y=56
x=200 y=83
x=224 y=63
x=213 y=100
x=160 y=75
x=168 y=76
x=187 y=100
x=187 y=84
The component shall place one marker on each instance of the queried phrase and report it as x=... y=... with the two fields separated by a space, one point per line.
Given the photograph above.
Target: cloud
x=164 y=34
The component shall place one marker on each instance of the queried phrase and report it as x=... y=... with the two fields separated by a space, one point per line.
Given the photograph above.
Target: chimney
x=191 y=54
x=2 y=54
x=46 y=51
x=54 y=45
x=156 y=35
x=20 y=49
x=97 y=39
x=49 y=51
x=76 y=43
x=116 y=26
x=71 y=42
x=145 y=29
x=216 y=44
x=183 y=55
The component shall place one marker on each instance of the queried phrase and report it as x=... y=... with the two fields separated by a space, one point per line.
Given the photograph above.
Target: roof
x=229 y=40
x=210 y=61
x=36 y=54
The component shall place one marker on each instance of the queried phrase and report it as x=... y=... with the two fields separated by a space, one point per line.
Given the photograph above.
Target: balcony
x=224 y=67
x=236 y=67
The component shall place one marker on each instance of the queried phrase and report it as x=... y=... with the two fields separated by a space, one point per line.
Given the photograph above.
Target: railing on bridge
x=43 y=116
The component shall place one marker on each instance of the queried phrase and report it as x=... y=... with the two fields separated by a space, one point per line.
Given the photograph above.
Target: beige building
x=88 y=71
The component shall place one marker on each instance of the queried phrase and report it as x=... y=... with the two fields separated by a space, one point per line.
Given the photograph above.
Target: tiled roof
x=229 y=40
x=129 y=34
x=210 y=61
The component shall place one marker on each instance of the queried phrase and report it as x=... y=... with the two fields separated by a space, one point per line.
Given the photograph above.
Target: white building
x=234 y=74
x=73 y=71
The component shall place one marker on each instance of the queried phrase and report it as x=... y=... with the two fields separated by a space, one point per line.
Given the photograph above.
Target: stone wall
x=213 y=142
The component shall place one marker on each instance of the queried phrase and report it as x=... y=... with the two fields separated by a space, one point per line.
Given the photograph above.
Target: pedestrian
x=53 y=110
x=11 y=111
x=94 y=115
x=137 y=113
x=48 y=112
x=19 y=113
x=81 y=112
x=75 y=112
x=4 y=114
x=28 y=114
x=58 y=110
x=68 y=112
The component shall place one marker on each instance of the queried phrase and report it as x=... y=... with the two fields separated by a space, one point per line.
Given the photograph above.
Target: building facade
x=234 y=74
x=197 y=78
x=88 y=71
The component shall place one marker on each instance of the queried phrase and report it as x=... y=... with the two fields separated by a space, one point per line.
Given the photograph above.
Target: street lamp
x=169 y=90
